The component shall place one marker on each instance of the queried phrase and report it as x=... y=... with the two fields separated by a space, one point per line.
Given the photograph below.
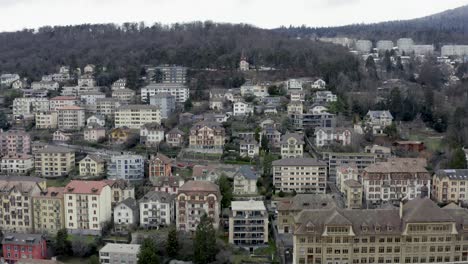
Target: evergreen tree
x=172 y=244
x=147 y=254
x=458 y=160
x=264 y=144
x=204 y=245
x=62 y=244
x=371 y=68
x=226 y=191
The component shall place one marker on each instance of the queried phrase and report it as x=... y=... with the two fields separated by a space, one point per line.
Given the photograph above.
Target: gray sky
x=19 y=14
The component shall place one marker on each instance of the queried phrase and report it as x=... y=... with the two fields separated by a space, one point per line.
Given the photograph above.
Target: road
x=87 y=149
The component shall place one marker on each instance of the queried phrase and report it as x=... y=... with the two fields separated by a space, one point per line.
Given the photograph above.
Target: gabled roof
x=175 y=130
x=130 y=203
x=299 y=138
x=161 y=157
x=460 y=174
x=337 y=219
x=94 y=158
x=157 y=196
x=200 y=186
x=423 y=210
x=85 y=187
x=378 y=114
x=247 y=172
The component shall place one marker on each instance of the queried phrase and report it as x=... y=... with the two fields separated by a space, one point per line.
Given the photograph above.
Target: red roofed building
x=23 y=246
x=87 y=206
x=159 y=165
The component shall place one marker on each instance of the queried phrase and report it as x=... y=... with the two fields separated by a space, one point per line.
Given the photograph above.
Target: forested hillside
x=443 y=28
x=126 y=48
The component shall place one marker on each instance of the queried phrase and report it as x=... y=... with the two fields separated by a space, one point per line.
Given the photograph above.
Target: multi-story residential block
x=196 y=198
x=29 y=106
x=159 y=166
x=89 y=99
x=16 y=212
x=364 y=45
x=382 y=153
x=207 y=137
x=87 y=207
x=107 y=106
x=91 y=166
x=60 y=136
x=47 y=85
x=151 y=134
x=249 y=147
x=166 y=102
x=168 y=73
x=384 y=45
x=87 y=79
x=157 y=209
x=35 y=93
x=63 y=101
x=248 y=224
x=245 y=181
x=167 y=184
x=242 y=109
x=294 y=85
x=126 y=214
x=16 y=164
x=135 y=116
x=318 y=84
x=178 y=90
x=126 y=167
x=321 y=97
x=337 y=159
x=301 y=175
x=418 y=232
x=450 y=186
x=119 y=253
x=7 y=79
x=292 y=145
x=71 y=117
x=330 y=135
x=97 y=119
x=49 y=214
x=124 y=95
x=175 y=138
x=14 y=142
x=119 y=84
x=352 y=194
x=94 y=133
x=46 y=120
x=23 y=246
x=344 y=173
x=297 y=96
x=255 y=90
x=54 y=161
x=454 y=50
x=79 y=90
x=396 y=179
x=120 y=190
x=273 y=136
x=313 y=119
x=377 y=121
x=295 y=108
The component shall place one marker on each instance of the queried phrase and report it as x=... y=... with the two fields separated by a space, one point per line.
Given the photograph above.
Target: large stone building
x=450 y=186
x=398 y=178
x=207 y=137
x=194 y=199
x=301 y=175
x=54 y=161
x=248 y=224
x=157 y=209
x=418 y=232
x=49 y=215
x=135 y=116
x=292 y=145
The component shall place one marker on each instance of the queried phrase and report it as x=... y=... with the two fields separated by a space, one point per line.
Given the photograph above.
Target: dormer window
x=377 y=228
x=389 y=228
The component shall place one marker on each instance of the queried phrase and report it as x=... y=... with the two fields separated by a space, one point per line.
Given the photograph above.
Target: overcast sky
x=19 y=14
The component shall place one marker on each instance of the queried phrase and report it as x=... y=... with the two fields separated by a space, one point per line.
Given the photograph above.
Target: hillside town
x=271 y=170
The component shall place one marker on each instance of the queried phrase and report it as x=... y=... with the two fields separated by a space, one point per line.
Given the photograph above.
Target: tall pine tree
x=147 y=254
x=172 y=244
x=204 y=245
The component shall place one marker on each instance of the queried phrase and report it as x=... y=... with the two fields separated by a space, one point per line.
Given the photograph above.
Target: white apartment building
x=62 y=101
x=7 y=79
x=344 y=173
x=384 y=45
x=87 y=206
x=27 y=107
x=249 y=148
x=71 y=117
x=292 y=145
x=135 y=116
x=126 y=214
x=90 y=98
x=302 y=175
x=454 y=50
x=157 y=209
x=242 y=109
x=178 y=90
x=256 y=90
x=364 y=45
x=18 y=164
x=151 y=134
x=47 y=85
x=46 y=120
x=119 y=253
x=248 y=224
x=126 y=167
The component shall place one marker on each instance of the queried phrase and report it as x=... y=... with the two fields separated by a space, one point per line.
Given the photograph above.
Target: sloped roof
x=298 y=162
x=199 y=186
x=130 y=203
x=161 y=157
x=85 y=187
x=157 y=196
x=460 y=174
x=307 y=202
x=395 y=165
x=423 y=210
x=299 y=138
x=247 y=172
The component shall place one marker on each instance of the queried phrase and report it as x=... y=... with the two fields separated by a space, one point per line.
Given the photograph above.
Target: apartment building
x=157 y=209
x=352 y=194
x=89 y=99
x=245 y=181
x=207 y=137
x=94 y=133
x=46 y=120
x=242 y=109
x=120 y=190
x=49 y=214
x=119 y=253
x=126 y=167
x=249 y=147
x=178 y=90
x=175 y=138
x=450 y=186
x=194 y=199
x=126 y=214
x=418 y=232
x=292 y=145
x=119 y=84
x=70 y=117
x=91 y=166
x=301 y=175
x=16 y=212
x=395 y=179
x=17 y=247
x=169 y=73
x=14 y=142
x=255 y=90
x=168 y=184
x=27 y=107
x=54 y=161
x=377 y=121
x=166 y=102
x=87 y=207
x=344 y=173
x=248 y=224
x=63 y=101
x=107 y=106
x=337 y=159
x=159 y=166
x=151 y=134
x=135 y=116
x=124 y=95
x=17 y=164
x=331 y=135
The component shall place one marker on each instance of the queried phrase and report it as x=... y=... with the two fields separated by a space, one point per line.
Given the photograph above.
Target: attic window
x=377 y=228
x=389 y=228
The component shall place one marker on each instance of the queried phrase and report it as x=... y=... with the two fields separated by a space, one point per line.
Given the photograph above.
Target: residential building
x=94 y=133
x=23 y=246
x=151 y=134
x=126 y=167
x=124 y=95
x=159 y=166
x=418 y=232
x=63 y=101
x=245 y=181
x=7 y=79
x=96 y=119
x=216 y=104
x=157 y=209
x=337 y=159
x=318 y=84
x=79 y=90
x=54 y=161
x=16 y=212
x=16 y=164
x=352 y=194
x=14 y=142
x=396 y=179
x=119 y=84
x=46 y=119
x=60 y=136
x=175 y=138
x=196 y=198
x=120 y=135
x=49 y=214
x=166 y=102
x=126 y=214
x=244 y=64
x=294 y=85
x=377 y=121
x=328 y=136
x=135 y=116
x=321 y=97
x=292 y=145
x=410 y=146
x=29 y=106
x=382 y=153
x=273 y=136
x=425 y=50
x=248 y=224
x=344 y=173
x=207 y=137
x=35 y=93
x=249 y=147
x=169 y=73
x=47 y=85
x=178 y=90
x=86 y=80
x=91 y=166
x=301 y=175
x=384 y=45
x=167 y=184
x=71 y=117
x=19 y=84
x=120 y=190
x=205 y=173
x=450 y=186
x=364 y=45
x=89 y=99
x=255 y=90
x=454 y=50
x=107 y=106
x=87 y=207
x=315 y=119
x=297 y=96
x=119 y=253
x=242 y=109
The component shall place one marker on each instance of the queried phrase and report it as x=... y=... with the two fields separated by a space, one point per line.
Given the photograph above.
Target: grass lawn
x=58 y=182
x=73 y=260
x=432 y=143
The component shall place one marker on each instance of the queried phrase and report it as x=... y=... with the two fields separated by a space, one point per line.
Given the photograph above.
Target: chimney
x=401 y=209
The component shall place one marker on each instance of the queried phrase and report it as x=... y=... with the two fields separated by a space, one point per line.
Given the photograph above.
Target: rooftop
x=459 y=174
x=85 y=187
x=22 y=239
x=121 y=248
x=199 y=186
x=395 y=165
x=248 y=206
x=298 y=162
